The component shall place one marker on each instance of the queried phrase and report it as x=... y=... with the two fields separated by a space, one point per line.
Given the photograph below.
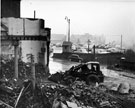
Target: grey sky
x=102 y=17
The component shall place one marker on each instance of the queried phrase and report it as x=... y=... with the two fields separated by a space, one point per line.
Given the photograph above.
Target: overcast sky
x=110 y=18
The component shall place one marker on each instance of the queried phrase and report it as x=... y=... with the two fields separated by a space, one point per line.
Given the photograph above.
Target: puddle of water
x=57 y=65
x=109 y=73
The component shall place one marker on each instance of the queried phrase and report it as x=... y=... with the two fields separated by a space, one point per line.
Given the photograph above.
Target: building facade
x=23 y=37
x=27 y=27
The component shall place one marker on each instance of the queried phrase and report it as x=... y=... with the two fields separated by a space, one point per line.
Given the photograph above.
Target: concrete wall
x=107 y=59
x=67 y=48
x=23 y=26
x=29 y=27
x=6 y=49
x=34 y=48
x=127 y=65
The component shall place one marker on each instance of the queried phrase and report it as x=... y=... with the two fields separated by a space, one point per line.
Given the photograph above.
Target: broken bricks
x=44 y=96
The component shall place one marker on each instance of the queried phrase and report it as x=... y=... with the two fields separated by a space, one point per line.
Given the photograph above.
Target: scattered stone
x=124 y=88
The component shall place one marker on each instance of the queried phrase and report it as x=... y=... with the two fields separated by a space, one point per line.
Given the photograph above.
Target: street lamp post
x=94 y=53
x=68 y=20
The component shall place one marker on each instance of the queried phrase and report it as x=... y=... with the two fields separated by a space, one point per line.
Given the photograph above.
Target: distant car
x=75 y=57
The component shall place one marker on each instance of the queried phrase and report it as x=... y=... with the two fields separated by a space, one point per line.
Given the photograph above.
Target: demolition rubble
x=48 y=94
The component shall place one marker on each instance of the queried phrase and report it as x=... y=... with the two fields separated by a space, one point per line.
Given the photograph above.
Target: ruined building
x=22 y=37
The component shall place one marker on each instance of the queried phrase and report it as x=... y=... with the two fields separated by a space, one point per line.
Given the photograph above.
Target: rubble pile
x=7 y=69
x=47 y=94
x=86 y=96
x=52 y=95
x=19 y=97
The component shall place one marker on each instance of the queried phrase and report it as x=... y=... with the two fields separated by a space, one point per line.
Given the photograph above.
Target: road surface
x=57 y=65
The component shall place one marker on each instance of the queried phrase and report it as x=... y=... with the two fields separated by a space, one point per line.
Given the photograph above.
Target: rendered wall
x=34 y=48
x=23 y=26
x=28 y=27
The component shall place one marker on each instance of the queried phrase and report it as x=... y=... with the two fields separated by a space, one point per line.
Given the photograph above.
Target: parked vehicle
x=75 y=57
x=89 y=72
